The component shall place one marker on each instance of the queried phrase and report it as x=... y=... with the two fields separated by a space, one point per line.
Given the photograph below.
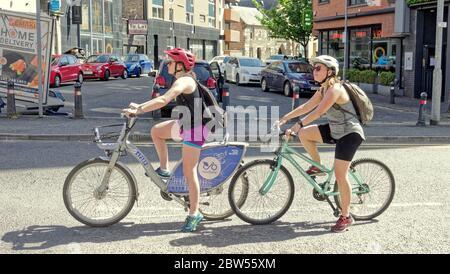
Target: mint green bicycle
x=268 y=186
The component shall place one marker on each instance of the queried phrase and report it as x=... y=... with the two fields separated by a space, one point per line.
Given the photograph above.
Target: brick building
x=370 y=31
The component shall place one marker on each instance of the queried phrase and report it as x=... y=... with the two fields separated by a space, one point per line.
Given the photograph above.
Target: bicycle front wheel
x=91 y=207
x=373 y=192
x=258 y=208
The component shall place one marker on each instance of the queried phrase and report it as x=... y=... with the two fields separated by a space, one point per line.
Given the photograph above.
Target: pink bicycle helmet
x=182 y=55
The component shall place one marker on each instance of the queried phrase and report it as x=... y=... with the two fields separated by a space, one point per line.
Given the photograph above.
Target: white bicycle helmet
x=328 y=61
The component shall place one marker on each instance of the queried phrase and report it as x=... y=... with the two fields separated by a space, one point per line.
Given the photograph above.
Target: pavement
x=393 y=123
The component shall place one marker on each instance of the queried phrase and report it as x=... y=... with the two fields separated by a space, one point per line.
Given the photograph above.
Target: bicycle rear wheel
x=376 y=191
x=87 y=205
x=214 y=204
x=260 y=208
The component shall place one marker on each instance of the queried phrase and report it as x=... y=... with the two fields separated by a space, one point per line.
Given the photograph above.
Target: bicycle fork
x=100 y=192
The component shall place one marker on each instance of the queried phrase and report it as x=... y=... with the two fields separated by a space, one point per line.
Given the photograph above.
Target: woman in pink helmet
x=184 y=90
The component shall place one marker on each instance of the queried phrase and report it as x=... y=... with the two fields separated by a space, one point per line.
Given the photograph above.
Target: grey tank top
x=343 y=123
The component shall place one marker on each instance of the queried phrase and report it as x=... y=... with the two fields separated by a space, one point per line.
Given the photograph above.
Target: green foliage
x=386 y=78
x=285 y=20
x=367 y=76
x=353 y=75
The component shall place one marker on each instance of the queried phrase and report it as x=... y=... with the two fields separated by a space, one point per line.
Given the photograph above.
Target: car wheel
x=138 y=73
x=80 y=78
x=57 y=81
x=264 y=86
x=237 y=80
x=124 y=74
x=287 y=89
x=106 y=76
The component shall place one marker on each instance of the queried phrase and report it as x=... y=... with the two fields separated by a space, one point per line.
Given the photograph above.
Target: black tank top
x=189 y=100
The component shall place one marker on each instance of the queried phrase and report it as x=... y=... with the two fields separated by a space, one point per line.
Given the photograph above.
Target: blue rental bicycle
x=102 y=191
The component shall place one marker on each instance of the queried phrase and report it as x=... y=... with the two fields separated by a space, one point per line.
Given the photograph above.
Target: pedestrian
x=343 y=129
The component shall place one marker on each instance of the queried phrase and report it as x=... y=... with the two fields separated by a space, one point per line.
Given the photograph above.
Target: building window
x=97 y=16
x=190 y=6
x=202 y=19
x=189 y=18
x=357 y=2
x=190 y=11
x=158 y=9
x=227 y=26
x=324 y=1
x=211 y=22
x=171 y=14
x=211 y=13
x=85 y=13
x=108 y=16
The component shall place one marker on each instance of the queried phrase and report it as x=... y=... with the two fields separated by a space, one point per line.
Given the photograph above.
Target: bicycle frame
x=284 y=151
x=124 y=145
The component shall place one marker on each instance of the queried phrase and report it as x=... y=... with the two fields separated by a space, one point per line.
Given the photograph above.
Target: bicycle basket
x=108 y=133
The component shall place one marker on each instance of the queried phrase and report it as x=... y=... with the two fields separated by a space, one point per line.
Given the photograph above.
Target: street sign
x=442 y=24
x=307 y=19
x=77 y=18
x=54 y=6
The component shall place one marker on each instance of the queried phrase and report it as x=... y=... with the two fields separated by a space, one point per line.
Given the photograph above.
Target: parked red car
x=104 y=66
x=65 y=68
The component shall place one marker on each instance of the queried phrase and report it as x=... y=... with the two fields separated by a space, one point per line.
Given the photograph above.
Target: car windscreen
x=132 y=58
x=250 y=62
x=55 y=60
x=299 y=68
x=202 y=72
x=276 y=57
x=98 y=59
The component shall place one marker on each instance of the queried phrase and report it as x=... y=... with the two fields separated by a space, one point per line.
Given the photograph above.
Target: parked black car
x=204 y=75
x=285 y=75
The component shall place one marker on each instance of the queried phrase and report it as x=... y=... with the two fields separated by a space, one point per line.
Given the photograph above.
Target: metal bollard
x=392 y=93
x=295 y=98
x=225 y=96
x=11 y=101
x=155 y=94
x=78 y=112
x=423 y=102
x=375 y=85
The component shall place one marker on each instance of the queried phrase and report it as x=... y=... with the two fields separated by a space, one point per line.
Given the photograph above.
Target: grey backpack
x=360 y=101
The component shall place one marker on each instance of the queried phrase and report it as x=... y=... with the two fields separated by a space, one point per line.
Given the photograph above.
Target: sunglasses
x=317 y=68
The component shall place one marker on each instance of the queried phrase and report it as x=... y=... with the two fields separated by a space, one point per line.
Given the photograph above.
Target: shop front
x=368 y=49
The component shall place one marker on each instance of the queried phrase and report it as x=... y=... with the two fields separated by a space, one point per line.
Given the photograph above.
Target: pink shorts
x=194 y=137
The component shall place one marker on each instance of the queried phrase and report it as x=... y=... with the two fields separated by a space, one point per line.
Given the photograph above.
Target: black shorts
x=345 y=147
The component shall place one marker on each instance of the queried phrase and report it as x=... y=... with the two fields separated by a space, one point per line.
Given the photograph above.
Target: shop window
x=360 y=48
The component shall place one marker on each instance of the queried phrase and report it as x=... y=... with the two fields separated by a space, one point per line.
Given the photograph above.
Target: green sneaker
x=163 y=173
x=192 y=222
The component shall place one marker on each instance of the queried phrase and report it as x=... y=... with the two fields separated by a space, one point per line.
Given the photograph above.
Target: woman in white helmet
x=343 y=129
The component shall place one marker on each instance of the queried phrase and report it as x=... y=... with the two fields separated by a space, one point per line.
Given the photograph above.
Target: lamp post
x=171 y=2
x=344 y=71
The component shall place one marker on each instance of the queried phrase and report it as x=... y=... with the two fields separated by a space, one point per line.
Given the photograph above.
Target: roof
x=248 y=15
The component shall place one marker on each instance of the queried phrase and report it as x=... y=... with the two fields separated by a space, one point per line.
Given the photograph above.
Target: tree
x=290 y=19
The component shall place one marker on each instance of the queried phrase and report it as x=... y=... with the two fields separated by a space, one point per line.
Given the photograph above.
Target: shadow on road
x=45 y=237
